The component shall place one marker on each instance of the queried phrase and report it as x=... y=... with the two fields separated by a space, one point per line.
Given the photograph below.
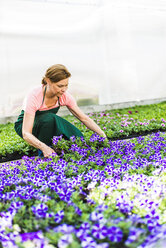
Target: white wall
x=114 y=49
x=36 y=35
x=135 y=48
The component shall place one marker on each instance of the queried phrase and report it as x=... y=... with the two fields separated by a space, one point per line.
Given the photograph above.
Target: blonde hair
x=56 y=73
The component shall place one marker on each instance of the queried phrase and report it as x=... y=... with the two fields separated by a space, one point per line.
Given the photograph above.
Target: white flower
x=16 y=228
x=65 y=241
x=28 y=244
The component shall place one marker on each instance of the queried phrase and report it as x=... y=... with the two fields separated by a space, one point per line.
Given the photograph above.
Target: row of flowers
x=94 y=193
x=116 y=123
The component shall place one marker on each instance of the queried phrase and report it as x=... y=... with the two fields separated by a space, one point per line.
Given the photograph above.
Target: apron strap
x=44 y=95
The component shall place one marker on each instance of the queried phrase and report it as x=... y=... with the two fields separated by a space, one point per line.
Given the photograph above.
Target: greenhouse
x=83 y=124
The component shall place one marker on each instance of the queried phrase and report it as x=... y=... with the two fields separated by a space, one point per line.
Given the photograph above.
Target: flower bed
x=95 y=193
x=11 y=145
x=118 y=124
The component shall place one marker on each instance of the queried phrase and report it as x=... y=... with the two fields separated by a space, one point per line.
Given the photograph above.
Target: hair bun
x=43 y=81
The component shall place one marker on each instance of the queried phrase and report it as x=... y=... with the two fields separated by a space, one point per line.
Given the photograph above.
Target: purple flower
x=8 y=244
x=56 y=139
x=93 y=138
x=40 y=210
x=82 y=139
x=83 y=230
x=99 y=231
x=36 y=237
x=65 y=240
x=90 y=201
x=7 y=239
x=44 y=198
x=88 y=242
x=134 y=234
x=135 y=219
x=31 y=236
x=15 y=206
x=94 y=216
x=152 y=220
x=65 y=229
x=115 y=234
x=100 y=162
x=156 y=238
x=74 y=148
x=124 y=205
x=117 y=220
x=65 y=194
x=85 y=226
x=73 y=138
x=152 y=224
x=59 y=216
x=101 y=208
x=78 y=210
x=50 y=215
x=82 y=233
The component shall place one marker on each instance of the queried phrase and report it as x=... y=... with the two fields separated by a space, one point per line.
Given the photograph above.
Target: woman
x=38 y=122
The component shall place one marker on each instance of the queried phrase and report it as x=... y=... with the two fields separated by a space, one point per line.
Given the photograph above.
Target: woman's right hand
x=47 y=151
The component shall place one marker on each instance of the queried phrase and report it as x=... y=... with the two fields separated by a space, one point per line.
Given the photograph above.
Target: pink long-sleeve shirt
x=33 y=101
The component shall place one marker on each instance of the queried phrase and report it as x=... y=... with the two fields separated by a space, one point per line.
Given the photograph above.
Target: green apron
x=47 y=124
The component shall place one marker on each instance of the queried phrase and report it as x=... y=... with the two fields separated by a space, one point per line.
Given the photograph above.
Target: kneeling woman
x=38 y=122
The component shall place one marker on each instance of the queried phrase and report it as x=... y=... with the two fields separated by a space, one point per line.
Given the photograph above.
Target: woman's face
x=59 y=88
